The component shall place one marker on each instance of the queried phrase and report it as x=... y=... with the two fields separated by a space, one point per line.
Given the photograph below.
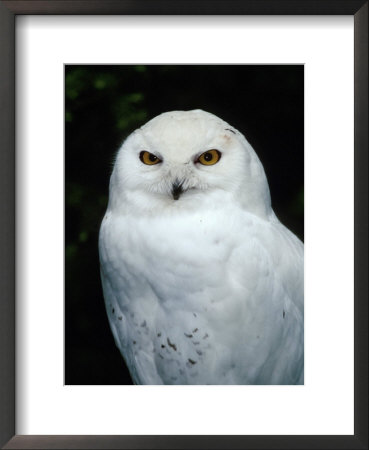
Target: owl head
x=183 y=159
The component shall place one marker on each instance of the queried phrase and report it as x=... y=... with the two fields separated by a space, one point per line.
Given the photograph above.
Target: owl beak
x=177 y=189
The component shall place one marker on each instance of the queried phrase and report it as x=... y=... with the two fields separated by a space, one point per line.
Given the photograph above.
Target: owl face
x=181 y=156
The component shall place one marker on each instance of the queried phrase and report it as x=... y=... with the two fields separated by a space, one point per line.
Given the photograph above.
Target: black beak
x=177 y=190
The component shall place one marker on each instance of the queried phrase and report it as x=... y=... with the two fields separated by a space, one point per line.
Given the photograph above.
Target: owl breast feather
x=199 y=300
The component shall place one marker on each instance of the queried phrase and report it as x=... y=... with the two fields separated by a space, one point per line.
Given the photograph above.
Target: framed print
x=76 y=79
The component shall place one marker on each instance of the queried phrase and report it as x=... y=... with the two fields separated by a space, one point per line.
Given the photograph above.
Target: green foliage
x=129 y=110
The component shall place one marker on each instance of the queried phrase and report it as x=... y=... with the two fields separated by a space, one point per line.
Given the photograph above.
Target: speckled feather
x=206 y=289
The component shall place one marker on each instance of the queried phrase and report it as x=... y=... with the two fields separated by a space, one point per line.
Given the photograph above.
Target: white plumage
x=202 y=283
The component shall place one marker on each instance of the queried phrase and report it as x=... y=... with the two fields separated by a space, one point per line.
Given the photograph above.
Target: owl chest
x=183 y=315
x=173 y=255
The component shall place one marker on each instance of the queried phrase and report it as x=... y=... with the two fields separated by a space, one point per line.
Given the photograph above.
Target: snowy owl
x=202 y=283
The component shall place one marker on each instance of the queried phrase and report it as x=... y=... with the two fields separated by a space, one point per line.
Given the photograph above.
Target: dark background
x=103 y=105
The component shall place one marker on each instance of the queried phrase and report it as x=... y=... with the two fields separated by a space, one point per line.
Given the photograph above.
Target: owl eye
x=209 y=157
x=148 y=158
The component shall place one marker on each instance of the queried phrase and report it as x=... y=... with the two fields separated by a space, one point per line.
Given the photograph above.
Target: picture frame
x=8 y=11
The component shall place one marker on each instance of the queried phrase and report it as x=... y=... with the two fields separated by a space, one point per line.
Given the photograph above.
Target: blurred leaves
x=129 y=111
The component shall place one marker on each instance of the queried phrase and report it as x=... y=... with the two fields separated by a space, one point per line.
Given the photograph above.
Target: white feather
x=206 y=289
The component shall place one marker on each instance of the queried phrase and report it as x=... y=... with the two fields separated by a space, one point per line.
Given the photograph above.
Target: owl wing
x=266 y=276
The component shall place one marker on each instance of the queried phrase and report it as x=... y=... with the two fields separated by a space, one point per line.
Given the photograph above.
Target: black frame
x=8 y=11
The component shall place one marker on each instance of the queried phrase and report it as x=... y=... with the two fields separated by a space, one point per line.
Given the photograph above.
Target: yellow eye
x=149 y=159
x=210 y=157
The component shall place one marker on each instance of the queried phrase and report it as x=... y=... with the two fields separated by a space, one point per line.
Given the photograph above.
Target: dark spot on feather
x=194 y=314
x=191 y=361
x=174 y=347
x=159 y=334
x=120 y=318
x=199 y=352
x=195 y=342
x=206 y=336
x=188 y=335
x=143 y=324
x=134 y=342
x=284 y=314
x=113 y=310
x=161 y=356
x=228 y=129
x=162 y=346
x=194 y=331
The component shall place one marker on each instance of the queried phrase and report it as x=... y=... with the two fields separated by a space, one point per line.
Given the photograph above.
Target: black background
x=103 y=105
